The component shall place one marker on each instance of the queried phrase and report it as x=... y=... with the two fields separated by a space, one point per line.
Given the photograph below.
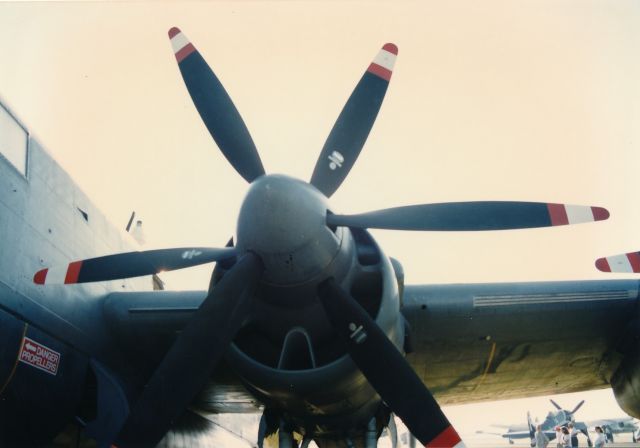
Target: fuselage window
x=14 y=141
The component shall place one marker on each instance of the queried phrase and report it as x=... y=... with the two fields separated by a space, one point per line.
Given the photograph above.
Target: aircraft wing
x=610 y=421
x=470 y=342
x=515 y=435
x=624 y=423
x=481 y=342
x=145 y=324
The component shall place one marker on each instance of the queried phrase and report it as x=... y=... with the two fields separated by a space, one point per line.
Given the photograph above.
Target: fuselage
x=46 y=219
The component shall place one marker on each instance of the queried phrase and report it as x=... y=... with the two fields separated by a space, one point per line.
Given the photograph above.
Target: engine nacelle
x=41 y=383
x=626 y=379
x=290 y=357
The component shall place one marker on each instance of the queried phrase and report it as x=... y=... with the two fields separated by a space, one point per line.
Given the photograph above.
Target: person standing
x=600 y=439
x=541 y=438
x=573 y=432
x=558 y=431
x=566 y=438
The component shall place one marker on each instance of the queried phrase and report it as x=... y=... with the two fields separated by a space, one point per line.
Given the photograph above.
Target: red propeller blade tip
x=600 y=214
x=382 y=65
x=391 y=48
x=629 y=262
x=180 y=44
x=603 y=265
x=448 y=438
x=40 y=276
x=563 y=214
x=73 y=272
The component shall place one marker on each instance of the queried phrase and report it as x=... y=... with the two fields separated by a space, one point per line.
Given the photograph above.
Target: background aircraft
x=441 y=277
x=562 y=417
x=613 y=426
x=559 y=417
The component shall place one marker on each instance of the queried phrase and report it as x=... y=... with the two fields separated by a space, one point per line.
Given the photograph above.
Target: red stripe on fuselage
x=73 y=271
x=446 y=439
x=379 y=71
x=558 y=214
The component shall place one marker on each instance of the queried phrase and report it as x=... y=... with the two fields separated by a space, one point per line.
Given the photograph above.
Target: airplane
x=611 y=426
x=560 y=417
x=305 y=321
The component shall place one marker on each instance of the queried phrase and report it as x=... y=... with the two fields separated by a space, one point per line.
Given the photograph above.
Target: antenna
x=133 y=215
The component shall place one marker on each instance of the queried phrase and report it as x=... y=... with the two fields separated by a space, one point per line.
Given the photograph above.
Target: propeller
x=216 y=109
x=578 y=406
x=200 y=346
x=354 y=123
x=557 y=406
x=374 y=354
x=193 y=356
x=482 y=215
x=627 y=263
x=130 y=264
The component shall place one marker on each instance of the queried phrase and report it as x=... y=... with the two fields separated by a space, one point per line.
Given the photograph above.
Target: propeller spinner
x=284 y=219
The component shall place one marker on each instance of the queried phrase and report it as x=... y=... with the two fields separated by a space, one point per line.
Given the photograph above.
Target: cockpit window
x=14 y=141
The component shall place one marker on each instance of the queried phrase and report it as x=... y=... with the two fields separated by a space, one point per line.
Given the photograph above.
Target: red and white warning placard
x=39 y=356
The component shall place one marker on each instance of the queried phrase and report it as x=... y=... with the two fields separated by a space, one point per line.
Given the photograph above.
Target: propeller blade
x=193 y=356
x=557 y=406
x=130 y=264
x=354 y=123
x=467 y=216
x=578 y=406
x=216 y=109
x=629 y=262
x=386 y=369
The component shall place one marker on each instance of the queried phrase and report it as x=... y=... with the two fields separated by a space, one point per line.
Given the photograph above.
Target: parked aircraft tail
x=532 y=430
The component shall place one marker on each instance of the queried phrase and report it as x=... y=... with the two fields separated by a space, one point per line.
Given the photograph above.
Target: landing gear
x=262 y=431
x=393 y=431
x=271 y=427
x=586 y=434
x=370 y=438
x=274 y=431
x=285 y=437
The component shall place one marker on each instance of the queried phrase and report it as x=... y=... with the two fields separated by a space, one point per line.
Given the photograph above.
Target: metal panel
x=478 y=342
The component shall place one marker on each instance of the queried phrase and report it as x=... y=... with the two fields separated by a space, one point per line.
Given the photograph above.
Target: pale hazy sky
x=502 y=100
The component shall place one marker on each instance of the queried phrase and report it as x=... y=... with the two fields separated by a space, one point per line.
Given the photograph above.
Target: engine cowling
x=290 y=357
x=626 y=379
